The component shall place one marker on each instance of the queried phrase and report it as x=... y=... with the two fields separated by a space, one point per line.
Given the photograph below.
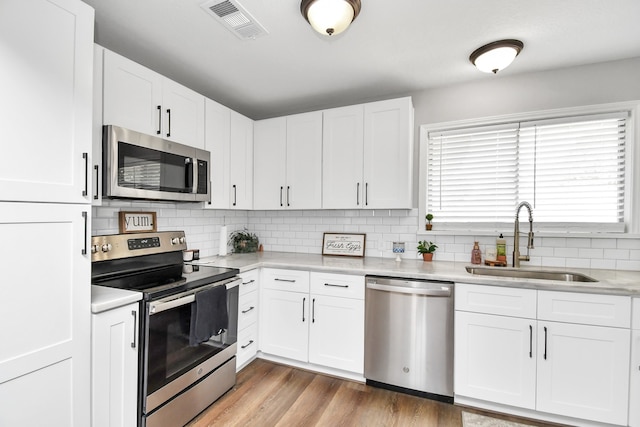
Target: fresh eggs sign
x=345 y=244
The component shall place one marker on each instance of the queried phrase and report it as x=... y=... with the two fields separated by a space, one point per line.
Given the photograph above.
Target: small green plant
x=425 y=247
x=243 y=242
x=428 y=217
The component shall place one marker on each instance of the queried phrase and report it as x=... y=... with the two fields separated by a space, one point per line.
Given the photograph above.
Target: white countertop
x=103 y=298
x=618 y=282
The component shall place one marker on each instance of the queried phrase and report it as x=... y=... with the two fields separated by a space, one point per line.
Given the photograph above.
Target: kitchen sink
x=564 y=276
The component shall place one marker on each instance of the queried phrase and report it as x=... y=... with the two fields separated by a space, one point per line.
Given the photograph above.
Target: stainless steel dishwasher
x=409 y=336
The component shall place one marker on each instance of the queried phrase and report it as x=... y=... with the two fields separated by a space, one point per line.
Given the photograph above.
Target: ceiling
x=393 y=48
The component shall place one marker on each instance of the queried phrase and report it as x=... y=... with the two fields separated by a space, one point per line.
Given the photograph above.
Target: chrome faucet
x=516 y=236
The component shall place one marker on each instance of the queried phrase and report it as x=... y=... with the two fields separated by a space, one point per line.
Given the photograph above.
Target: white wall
x=301 y=231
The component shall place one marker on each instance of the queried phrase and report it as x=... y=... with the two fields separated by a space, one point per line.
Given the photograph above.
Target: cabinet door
x=217 y=134
x=304 y=161
x=183 y=111
x=46 y=81
x=583 y=371
x=269 y=166
x=114 y=371
x=45 y=313
x=634 y=390
x=284 y=324
x=388 y=154
x=342 y=158
x=241 y=162
x=495 y=359
x=343 y=350
x=132 y=95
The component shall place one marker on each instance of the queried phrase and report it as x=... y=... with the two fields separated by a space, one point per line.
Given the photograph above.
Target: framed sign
x=344 y=244
x=137 y=222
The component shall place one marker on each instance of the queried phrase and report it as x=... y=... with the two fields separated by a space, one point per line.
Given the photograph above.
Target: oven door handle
x=156 y=307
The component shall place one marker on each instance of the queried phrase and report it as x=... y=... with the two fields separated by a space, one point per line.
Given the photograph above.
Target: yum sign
x=137 y=222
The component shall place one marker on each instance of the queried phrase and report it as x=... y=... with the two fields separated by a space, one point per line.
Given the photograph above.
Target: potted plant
x=426 y=249
x=243 y=242
x=429 y=217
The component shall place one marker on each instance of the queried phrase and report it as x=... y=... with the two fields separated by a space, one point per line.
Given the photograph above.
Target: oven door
x=171 y=365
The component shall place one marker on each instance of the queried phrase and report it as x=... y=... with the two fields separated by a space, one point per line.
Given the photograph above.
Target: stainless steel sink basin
x=563 y=276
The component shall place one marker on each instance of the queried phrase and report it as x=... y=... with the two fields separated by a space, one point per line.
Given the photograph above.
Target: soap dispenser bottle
x=476 y=255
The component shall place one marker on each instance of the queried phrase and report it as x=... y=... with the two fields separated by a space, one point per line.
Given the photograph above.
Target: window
x=572 y=170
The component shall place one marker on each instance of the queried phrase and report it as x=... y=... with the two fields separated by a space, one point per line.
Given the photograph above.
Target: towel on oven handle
x=209 y=315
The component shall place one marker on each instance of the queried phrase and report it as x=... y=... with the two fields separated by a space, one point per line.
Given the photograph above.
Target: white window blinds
x=571 y=170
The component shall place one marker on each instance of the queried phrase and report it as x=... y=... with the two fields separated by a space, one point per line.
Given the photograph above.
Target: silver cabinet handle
x=159 y=131
x=530 y=341
x=248 y=310
x=246 y=345
x=336 y=286
x=288 y=188
x=545 y=343
x=358 y=194
x=281 y=190
x=235 y=195
x=249 y=282
x=135 y=327
x=313 y=311
x=285 y=280
x=169 y=122
x=304 y=300
x=85 y=156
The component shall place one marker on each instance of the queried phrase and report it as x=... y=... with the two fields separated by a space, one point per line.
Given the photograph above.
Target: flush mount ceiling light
x=496 y=56
x=330 y=17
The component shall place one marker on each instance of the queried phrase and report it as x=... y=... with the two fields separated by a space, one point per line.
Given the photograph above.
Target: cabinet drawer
x=339 y=285
x=496 y=300
x=285 y=280
x=247 y=309
x=249 y=281
x=247 y=344
x=588 y=309
x=636 y=313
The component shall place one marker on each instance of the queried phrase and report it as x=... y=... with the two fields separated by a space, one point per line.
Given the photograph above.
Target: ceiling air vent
x=235 y=18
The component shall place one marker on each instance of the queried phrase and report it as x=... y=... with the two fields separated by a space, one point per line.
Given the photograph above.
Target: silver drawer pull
x=336 y=286
x=247 y=310
x=285 y=280
x=246 y=345
x=249 y=282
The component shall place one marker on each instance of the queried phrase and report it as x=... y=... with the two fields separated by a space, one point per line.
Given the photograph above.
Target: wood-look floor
x=268 y=394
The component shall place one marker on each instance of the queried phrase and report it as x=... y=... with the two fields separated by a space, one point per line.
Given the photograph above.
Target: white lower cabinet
x=114 y=371
x=634 y=388
x=313 y=317
x=247 y=319
x=570 y=359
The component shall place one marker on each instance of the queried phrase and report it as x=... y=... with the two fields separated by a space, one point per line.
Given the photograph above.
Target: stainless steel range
x=188 y=329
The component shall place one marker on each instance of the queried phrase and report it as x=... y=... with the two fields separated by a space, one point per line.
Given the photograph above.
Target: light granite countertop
x=608 y=281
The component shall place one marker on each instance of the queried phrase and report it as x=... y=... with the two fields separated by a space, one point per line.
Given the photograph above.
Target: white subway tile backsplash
x=301 y=231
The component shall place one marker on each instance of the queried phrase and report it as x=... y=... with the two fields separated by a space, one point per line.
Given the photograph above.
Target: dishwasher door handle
x=444 y=291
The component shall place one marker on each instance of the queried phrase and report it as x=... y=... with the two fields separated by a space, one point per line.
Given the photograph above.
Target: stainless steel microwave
x=139 y=166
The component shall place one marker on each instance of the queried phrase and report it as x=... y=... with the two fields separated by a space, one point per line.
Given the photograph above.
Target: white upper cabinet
x=46 y=81
x=140 y=99
x=388 y=154
x=241 y=162
x=288 y=162
x=217 y=134
x=342 y=156
x=368 y=156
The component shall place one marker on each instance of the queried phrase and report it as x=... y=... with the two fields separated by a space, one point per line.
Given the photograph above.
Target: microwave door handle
x=189 y=174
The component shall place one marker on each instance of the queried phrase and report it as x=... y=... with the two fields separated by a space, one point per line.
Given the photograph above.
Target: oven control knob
x=175 y=240
x=106 y=247
x=183 y=240
x=95 y=248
